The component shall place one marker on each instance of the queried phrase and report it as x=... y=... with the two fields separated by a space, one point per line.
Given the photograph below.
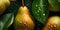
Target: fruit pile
x=29 y=14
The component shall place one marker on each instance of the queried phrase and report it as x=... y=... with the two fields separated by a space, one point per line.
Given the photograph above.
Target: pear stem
x=23 y=3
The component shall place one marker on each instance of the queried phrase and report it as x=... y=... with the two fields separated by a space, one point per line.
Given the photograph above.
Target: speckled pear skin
x=53 y=23
x=23 y=20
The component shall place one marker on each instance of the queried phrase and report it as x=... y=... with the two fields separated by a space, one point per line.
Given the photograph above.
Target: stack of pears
x=23 y=20
x=3 y=5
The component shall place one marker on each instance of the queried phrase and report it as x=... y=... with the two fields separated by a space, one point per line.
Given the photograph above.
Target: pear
x=53 y=23
x=7 y=3
x=23 y=20
x=3 y=5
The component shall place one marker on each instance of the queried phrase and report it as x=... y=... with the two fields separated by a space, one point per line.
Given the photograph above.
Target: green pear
x=23 y=20
x=3 y=5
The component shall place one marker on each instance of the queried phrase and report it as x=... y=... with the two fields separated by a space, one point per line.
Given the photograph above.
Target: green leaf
x=6 y=20
x=40 y=10
x=54 y=4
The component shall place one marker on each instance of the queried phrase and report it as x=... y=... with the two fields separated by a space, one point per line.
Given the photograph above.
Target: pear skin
x=23 y=20
x=3 y=5
x=53 y=23
x=7 y=3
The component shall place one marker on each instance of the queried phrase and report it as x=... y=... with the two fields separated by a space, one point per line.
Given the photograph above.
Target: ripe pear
x=23 y=20
x=53 y=23
x=3 y=5
x=7 y=3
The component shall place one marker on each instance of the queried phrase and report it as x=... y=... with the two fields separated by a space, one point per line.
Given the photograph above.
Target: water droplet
x=38 y=11
x=44 y=14
x=55 y=25
x=36 y=5
x=25 y=23
x=51 y=26
x=39 y=8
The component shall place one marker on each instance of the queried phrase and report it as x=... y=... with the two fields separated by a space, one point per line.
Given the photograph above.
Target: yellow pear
x=53 y=23
x=7 y=3
x=3 y=5
x=23 y=20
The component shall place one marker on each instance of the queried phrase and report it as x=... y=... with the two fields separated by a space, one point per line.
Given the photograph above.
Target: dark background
x=14 y=6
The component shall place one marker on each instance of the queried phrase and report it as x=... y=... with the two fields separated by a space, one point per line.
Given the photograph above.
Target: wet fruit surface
x=23 y=20
x=53 y=23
